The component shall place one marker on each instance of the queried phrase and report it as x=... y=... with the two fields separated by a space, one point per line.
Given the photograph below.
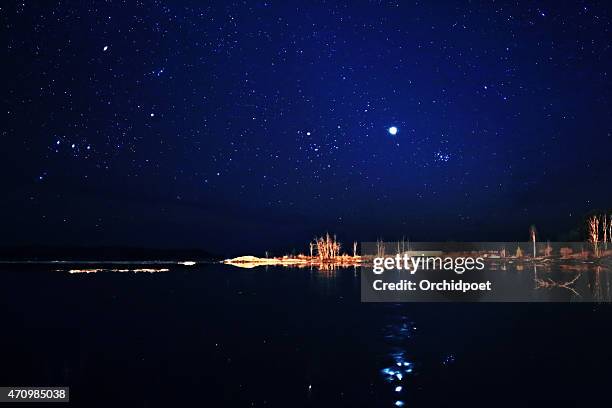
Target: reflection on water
x=601 y=290
x=291 y=337
x=548 y=283
x=400 y=331
x=449 y=359
x=398 y=366
x=553 y=281
x=135 y=270
x=583 y=281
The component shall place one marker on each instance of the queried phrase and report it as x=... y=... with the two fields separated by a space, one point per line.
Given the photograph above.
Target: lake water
x=216 y=335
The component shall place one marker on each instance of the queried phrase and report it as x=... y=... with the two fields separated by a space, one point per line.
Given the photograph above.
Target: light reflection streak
x=397 y=334
x=137 y=270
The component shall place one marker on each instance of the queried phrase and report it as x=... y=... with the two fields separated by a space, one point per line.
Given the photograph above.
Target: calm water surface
x=215 y=335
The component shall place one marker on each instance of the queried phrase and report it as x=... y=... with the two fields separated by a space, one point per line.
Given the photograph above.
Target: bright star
x=393 y=130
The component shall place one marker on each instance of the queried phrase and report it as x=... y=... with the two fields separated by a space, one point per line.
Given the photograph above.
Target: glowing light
x=388 y=371
x=399 y=403
x=139 y=270
x=398 y=388
x=393 y=130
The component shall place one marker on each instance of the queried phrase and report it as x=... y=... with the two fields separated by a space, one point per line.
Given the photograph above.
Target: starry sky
x=253 y=125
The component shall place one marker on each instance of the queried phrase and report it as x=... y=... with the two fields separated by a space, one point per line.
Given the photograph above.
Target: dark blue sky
x=244 y=126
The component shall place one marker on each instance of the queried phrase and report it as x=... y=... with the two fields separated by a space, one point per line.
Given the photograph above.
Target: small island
x=325 y=252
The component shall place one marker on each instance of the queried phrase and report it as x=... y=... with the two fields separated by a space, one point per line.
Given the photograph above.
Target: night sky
x=244 y=126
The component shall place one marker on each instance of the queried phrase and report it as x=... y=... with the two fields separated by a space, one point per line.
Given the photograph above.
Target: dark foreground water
x=214 y=335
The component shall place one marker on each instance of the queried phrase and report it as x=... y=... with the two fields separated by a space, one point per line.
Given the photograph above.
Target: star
x=392 y=130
